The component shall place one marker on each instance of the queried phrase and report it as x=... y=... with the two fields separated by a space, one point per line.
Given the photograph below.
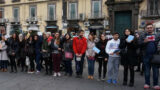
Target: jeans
x=32 y=66
x=13 y=63
x=91 y=67
x=147 y=69
x=48 y=65
x=38 y=57
x=113 y=67
x=4 y=64
x=68 y=66
x=79 y=65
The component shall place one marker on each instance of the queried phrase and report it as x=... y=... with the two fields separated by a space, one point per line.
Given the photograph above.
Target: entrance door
x=122 y=21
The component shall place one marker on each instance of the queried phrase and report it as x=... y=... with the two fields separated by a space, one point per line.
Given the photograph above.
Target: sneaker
x=146 y=86
x=109 y=81
x=55 y=74
x=37 y=72
x=156 y=87
x=103 y=79
x=114 y=81
x=59 y=74
x=99 y=79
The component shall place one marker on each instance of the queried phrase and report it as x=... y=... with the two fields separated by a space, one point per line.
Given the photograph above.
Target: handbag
x=11 y=52
x=68 y=55
x=156 y=59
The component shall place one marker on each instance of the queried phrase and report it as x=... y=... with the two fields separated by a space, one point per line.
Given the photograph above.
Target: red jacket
x=49 y=39
x=79 y=45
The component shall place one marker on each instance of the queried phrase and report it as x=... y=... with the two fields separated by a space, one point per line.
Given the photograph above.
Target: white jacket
x=112 y=46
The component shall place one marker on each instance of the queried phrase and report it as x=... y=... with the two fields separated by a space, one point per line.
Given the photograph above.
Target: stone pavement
x=23 y=81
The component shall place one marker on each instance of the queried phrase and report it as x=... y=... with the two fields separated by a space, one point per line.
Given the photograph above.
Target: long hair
x=93 y=36
x=57 y=38
x=65 y=40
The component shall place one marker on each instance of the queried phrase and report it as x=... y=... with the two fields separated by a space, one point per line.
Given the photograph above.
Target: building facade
x=95 y=16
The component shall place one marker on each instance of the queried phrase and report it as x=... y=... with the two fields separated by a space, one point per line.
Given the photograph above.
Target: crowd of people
x=30 y=52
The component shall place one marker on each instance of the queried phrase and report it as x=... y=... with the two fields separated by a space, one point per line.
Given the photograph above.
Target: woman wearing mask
x=90 y=55
x=128 y=56
x=56 y=48
x=13 y=51
x=102 y=57
x=68 y=54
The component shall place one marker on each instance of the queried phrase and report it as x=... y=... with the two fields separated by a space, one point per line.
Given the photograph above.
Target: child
x=112 y=48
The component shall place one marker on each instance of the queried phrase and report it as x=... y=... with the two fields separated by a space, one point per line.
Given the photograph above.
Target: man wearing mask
x=149 y=41
x=79 y=47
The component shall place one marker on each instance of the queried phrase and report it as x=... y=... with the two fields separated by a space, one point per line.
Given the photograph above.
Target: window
x=16 y=13
x=73 y=10
x=32 y=11
x=96 y=8
x=51 y=12
x=1 y=12
x=153 y=7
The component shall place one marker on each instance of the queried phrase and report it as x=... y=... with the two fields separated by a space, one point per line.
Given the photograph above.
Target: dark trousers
x=131 y=68
x=4 y=64
x=68 y=66
x=13 y=63
x=32 y=66
x=79 y=65
x=56 y=58
x=48 y=65
x=23 y=61
x=38 y=61
x=147 y=70
x=102 y=63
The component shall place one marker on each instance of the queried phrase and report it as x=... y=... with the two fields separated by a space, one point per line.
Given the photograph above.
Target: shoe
x=2 y=70
x=131 y=84
x=89 y=77
x=109 y=81
x=114 y=81
x=124 y=83
x=59 y=74
x=103 y=79
x=156 y=87
x=55 y=74
x=99 y=79
x=37 y=72
x=146 y=86
x=5 y=70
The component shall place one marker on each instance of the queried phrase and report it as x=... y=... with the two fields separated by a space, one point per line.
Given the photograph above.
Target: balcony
x=16 y=1
x=2 y=1
x=96 y=16
x=32 y=20
x=15 y=20
x=3 y=20
x=69 y=18
x=150 y=14
x=50 y=19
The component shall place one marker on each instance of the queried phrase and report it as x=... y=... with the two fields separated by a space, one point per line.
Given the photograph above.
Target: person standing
x=112 y=48
x=129 y=57
x=56 y=48
x=3 y=54
x=102 y=57
x=90 y=54
x=68 y=54
x=13 y=51
x=149 y=41
x=79 y=48
x=38 y=47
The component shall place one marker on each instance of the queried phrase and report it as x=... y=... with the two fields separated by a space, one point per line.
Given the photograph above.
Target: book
x=130 y=38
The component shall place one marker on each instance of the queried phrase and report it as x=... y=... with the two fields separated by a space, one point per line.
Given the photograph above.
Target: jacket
x=101 y=46
x=79 y=45
x=90 y=52
x=3 y=51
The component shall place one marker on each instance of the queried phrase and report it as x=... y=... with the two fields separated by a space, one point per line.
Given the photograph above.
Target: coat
x=129 y=52
x=90 y=52
x=3 y=51
x=13 y=46
x=101 y=46
x=79 y=45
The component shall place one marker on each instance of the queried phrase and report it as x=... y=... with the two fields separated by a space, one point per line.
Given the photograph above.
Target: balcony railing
x=3 y=20
x=2 y=1
x=150 y=13
x=73 y=18
x=32 y=19
x=16 y=0
x=96 y=16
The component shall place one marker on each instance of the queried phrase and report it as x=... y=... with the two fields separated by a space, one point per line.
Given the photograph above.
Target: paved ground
x=23 y=81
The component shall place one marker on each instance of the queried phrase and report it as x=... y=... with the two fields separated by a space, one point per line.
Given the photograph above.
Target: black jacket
x=101 y=45
x=129 y=52
x=13 y=46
